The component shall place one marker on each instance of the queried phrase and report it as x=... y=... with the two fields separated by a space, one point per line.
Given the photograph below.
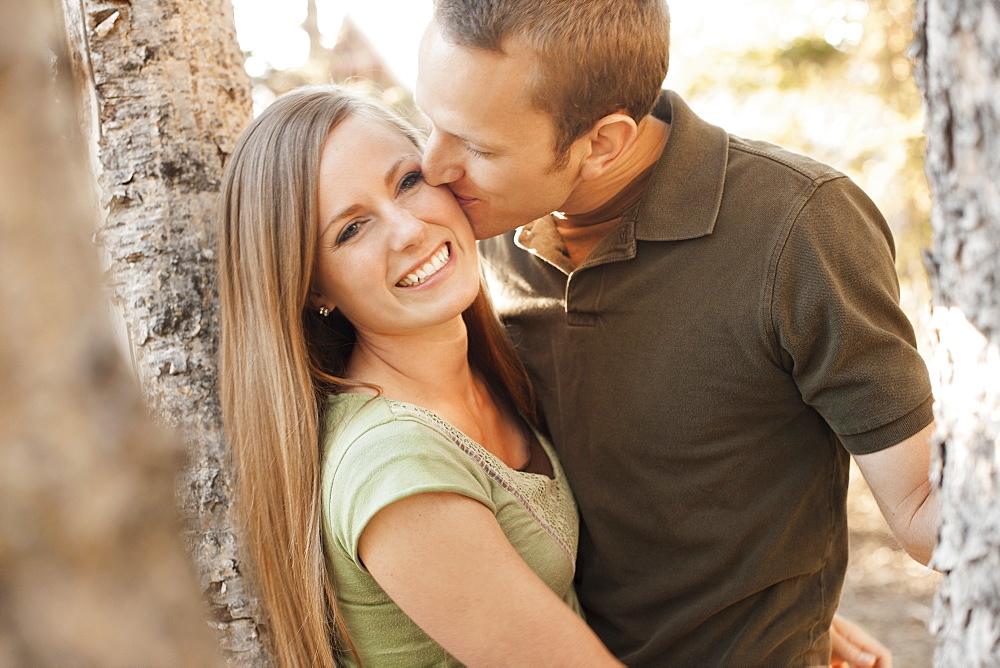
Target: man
x=712 y=325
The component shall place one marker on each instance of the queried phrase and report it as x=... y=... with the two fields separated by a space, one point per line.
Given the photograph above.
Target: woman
x=376 y=409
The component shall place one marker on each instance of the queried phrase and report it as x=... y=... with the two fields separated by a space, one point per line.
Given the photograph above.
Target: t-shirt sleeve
x=391 y=461
x=838 y=321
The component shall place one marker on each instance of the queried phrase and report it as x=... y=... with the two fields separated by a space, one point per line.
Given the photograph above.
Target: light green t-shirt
x=377 y=451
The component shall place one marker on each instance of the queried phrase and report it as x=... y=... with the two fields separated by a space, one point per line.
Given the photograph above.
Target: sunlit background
x=829 y=78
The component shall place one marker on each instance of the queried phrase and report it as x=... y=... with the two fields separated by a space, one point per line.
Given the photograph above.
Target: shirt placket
x=582 y=292
x=581 y=298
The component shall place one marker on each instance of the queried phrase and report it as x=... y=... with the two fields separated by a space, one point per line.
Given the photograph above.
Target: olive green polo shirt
x=704 y=374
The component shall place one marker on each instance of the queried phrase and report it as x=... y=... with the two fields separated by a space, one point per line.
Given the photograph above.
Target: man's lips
x=463 y=200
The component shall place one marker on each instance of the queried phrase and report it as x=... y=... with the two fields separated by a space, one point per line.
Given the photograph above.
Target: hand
x=853 y=647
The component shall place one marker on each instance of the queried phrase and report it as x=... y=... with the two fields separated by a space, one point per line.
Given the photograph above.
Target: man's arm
x=899 y=479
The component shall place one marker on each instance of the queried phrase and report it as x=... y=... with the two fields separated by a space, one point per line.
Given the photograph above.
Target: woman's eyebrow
x=392 y=170
x=349 y=211
x=355 y=208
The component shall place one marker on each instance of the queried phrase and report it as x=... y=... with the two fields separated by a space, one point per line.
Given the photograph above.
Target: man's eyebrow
x=482 y=143
x=456 y=135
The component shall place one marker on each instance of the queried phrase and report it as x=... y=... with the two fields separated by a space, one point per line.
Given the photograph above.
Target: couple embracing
x=647 y=462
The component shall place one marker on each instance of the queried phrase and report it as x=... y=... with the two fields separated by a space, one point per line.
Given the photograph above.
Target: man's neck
x=643 y=152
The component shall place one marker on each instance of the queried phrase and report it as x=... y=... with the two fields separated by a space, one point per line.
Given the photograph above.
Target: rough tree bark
x=92 y=571
x=958 y=53
x=165 y=96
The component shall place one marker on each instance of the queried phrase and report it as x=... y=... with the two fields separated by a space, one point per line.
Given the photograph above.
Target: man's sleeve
x=836 y=314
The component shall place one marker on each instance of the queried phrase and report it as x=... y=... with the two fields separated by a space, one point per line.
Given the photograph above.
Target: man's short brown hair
x=593 y=57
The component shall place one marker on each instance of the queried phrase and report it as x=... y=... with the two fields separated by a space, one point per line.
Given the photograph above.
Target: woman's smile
x=429 y=268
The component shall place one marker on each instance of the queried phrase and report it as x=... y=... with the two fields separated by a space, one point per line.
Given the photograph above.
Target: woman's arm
x=445 y=561
x=853 y=646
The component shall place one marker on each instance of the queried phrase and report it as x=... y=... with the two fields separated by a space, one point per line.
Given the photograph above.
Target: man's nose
x=439 y=164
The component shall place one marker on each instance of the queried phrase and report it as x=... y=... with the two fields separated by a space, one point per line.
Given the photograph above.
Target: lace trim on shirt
x=541 y=496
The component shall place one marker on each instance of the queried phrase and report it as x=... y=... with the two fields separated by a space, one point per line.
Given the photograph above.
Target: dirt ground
x=886 y=591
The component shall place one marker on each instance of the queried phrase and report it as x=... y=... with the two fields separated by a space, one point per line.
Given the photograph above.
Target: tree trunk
x=165 y=97
x=92 y=571
x=958 y=51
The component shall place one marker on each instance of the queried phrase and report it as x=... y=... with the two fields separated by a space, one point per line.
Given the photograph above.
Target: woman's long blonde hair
x=279 y=361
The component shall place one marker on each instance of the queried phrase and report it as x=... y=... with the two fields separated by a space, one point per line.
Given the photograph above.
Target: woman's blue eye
x=351 y=229
x=411 y=180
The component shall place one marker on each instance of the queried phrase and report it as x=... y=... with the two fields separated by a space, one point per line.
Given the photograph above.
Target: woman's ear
x=607 y=141
x=318 y=302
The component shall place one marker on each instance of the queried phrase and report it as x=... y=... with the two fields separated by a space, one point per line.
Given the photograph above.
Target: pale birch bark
x=958 y=52
x=165 y=98
x=92 y=571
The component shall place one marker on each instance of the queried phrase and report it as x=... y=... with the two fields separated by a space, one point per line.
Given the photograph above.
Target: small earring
x=324 y=311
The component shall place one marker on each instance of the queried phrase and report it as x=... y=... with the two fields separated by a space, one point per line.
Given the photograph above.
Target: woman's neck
x=420 y=366
x=431 y=369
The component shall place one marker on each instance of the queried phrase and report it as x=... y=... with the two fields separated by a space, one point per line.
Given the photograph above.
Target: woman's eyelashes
x=411 y=180
x=349 y=231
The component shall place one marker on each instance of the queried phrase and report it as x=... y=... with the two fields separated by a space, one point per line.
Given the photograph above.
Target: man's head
x=530 y=83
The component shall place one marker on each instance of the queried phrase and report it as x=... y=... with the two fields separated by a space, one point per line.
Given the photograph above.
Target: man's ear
x=607 y=141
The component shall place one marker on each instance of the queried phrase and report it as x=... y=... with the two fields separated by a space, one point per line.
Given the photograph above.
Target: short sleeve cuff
x=365 y=512
x=890 y=434
x=393 y=459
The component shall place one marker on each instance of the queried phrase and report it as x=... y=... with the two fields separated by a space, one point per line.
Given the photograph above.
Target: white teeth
x=430 y=268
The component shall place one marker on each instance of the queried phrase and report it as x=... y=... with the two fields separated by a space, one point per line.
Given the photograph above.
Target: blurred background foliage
x=829 y=78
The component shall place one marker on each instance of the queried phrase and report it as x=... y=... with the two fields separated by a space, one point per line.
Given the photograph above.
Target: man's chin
x=485 y=227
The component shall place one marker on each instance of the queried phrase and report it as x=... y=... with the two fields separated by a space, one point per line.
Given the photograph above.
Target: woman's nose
x=406 y=230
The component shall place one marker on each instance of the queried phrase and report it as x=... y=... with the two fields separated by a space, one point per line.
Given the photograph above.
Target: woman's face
x=394 y=254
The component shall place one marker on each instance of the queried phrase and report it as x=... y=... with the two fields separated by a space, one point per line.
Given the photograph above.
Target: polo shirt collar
x=684 y=193
x=681 y=201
